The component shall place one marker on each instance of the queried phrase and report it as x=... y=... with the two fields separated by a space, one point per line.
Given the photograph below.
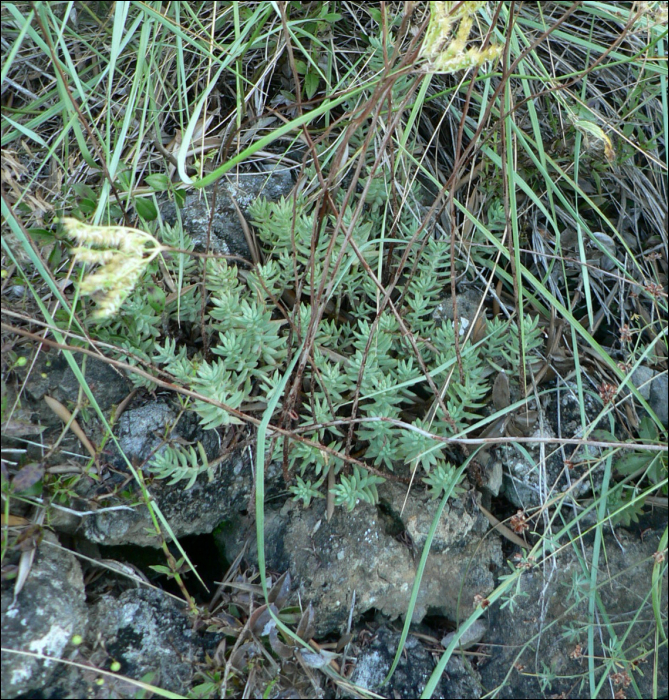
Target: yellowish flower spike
x=595 y=133
x=122 y=254
x=444 y=50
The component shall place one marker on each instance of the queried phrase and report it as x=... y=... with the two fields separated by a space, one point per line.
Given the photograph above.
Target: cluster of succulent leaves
x=378 y=361
x=355 y=353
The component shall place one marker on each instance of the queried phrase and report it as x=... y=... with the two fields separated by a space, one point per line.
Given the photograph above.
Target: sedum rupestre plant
x=362 y=366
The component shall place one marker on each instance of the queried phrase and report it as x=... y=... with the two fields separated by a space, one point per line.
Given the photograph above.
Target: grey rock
x=358 y=552
x=530 y=467
x=52 y=376
x=15 y=292
x=542 y=630
x=189 y=512
x=654 y=387
x=470 y=637
x=146 y=630
x=192 y=511
x=226 y=234
x=467 y=305
x=413 y=670
x=141 y=430
x=48 y=611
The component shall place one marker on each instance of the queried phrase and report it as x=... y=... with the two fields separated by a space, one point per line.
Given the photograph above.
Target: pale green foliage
x=382 y=439
x=180 y=463
x=359 y=486
x=303 y=490
x=310 y=457
x=443 y=478
x=378 y=363
x=417 y=446
x=358 y=354
x=515 y=595
x=376 y=193
x=215 y=381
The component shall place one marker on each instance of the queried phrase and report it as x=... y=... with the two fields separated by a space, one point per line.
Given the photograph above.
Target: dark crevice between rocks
x=202 y=552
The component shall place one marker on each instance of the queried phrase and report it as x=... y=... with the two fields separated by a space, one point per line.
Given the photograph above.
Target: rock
x=188 y=511
x=467 y=303
x=47 y=613
x=528 y=467
x=540 y=629
x=470 y=637
x=192 y=511
x=51 y=375
x=146 y=630
x=413 y=670
x=226 y=231
x=358 y=552
x=654 y=387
